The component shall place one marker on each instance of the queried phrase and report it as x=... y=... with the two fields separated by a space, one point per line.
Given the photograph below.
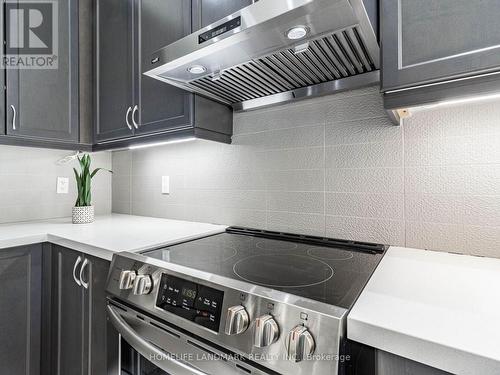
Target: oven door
x=150 y=347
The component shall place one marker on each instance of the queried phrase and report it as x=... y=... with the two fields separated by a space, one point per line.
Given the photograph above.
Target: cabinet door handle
x=85 y=264
x=126 y=117
x=133 y=117
x=14 y=114
x=77 y=262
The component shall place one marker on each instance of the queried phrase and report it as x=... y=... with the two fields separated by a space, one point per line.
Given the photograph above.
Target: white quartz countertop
x=107 y=235
x=436 y=308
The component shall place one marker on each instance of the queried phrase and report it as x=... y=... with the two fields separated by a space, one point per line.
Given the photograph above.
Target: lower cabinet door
x=83 y=341
x=20 y=310
x=67 y=318
x=102 y=339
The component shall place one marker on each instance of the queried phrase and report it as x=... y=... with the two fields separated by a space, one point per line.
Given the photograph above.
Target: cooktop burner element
x=283 y=271
x=330 y=271
x=210 y=255
x=322 y=253
x=276 y=245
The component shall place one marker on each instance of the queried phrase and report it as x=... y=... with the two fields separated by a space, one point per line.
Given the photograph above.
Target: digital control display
x=219 y=30
x=189 y=293
x=197 y=303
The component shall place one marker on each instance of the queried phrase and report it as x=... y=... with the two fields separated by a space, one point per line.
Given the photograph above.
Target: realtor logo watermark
x=31 y=32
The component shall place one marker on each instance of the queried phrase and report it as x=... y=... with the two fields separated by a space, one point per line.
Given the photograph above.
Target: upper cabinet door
x=210 y=11
x=42 y=97
x=161 y=106
x=115 y=70
x=429 y=41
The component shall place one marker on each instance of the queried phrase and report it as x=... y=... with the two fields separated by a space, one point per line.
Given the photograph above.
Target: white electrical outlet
x=62 y=185
x=165 y=184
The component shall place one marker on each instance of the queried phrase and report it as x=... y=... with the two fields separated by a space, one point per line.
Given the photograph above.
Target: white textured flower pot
x=83 y=215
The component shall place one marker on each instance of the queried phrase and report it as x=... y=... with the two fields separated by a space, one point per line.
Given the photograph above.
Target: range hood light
x=147 y=145
x=297 y=32
x=197 y=69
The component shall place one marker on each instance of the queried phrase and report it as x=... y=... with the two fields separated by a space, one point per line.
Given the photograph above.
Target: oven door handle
x=153 y=354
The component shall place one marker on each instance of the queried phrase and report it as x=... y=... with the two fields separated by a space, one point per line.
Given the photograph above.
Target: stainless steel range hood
x=250 y=59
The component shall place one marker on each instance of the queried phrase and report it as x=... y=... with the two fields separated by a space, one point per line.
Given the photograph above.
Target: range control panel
x=197 y=303
x=281 y=333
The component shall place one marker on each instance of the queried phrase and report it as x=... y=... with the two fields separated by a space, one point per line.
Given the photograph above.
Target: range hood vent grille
x=338 y=55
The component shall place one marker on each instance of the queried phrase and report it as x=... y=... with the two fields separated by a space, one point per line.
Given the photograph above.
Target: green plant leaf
x=99 y=169
x=78 y=186
x=87 y=189
x=82 y=163
x=84 y=180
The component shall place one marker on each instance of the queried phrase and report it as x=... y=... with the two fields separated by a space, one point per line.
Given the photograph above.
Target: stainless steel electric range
x=243 y=301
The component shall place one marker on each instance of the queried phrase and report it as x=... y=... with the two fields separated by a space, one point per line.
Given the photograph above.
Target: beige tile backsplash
x=28 y=184
x=335 y=166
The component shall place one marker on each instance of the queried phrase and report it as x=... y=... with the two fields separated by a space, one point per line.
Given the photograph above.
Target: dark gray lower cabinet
x=2 y=91
x=20 y=310
x=66 y=315
x=103 y=338
x=53 y=313
x=79 y=327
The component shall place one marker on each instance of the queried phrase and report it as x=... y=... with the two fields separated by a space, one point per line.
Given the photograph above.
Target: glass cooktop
x=326 y=270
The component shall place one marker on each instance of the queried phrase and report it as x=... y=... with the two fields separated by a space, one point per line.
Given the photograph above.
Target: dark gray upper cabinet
x=44 y=103
x=128 y=33
x=20 y=310
x=430 y=41
x=160 y=106
x=206 y=12
x=115 y=74
x=131 y=107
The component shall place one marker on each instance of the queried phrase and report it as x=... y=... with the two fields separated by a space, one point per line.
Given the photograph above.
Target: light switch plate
x=165 y=184
x=62 y=185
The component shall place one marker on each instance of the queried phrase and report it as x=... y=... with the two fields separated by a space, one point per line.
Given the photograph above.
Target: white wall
x=28 y=184
x=334 y=166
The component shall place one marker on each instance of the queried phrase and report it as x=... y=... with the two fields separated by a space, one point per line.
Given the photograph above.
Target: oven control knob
x=127 y=279
x=299 y=344
x=143 y=284
x=236 y=321
x=266 y=331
